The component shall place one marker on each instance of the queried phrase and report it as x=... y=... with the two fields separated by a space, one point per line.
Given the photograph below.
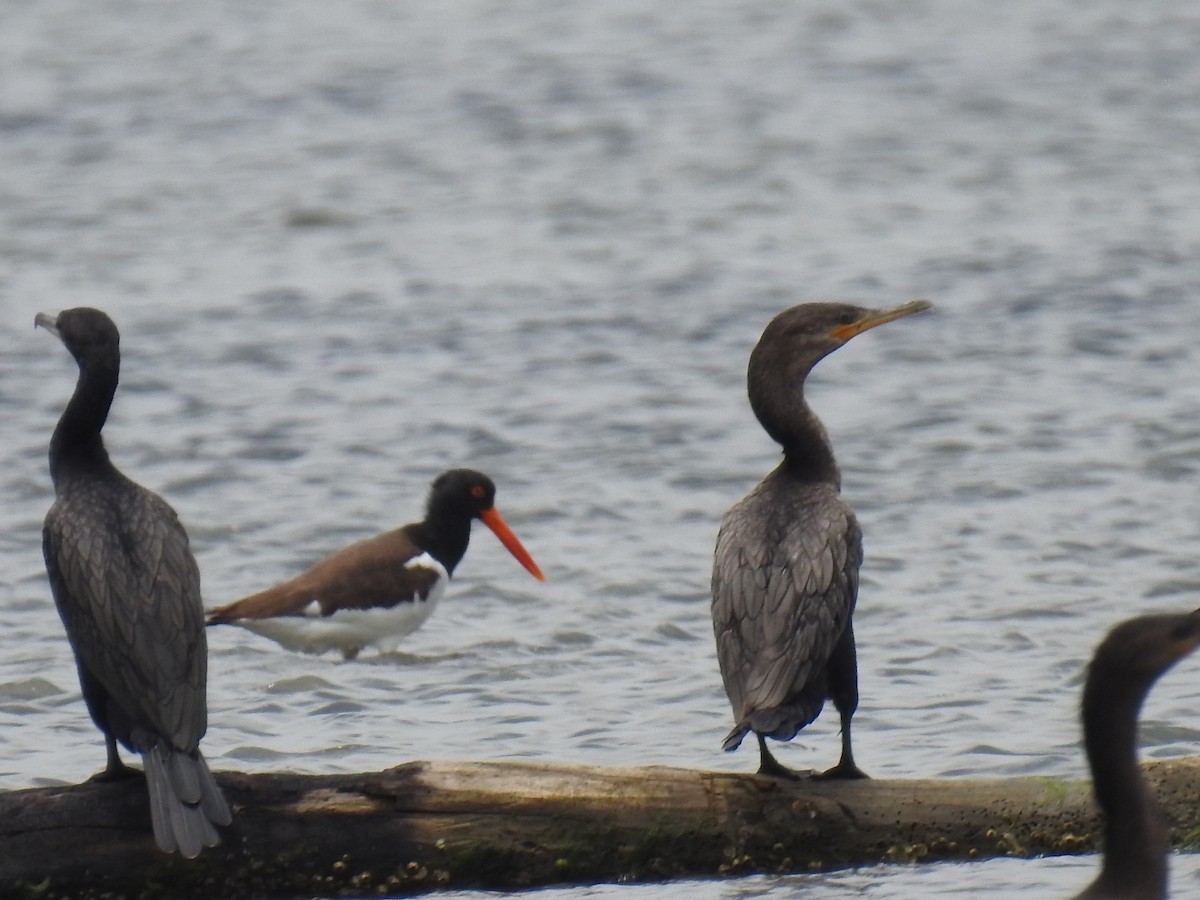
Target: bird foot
x=119 y=772
x=842 y=772
x=774 y=769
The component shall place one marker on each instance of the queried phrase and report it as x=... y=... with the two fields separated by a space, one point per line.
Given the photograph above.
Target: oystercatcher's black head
x=463 y=491
x=467 y=494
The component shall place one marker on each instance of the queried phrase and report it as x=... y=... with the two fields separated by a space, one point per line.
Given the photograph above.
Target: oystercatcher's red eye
x=478 y=492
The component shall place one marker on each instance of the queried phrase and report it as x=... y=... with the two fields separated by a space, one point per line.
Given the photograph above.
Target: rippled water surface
x=350 y=245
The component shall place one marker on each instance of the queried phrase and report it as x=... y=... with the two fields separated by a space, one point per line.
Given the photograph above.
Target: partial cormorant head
x=799 y=337
x=1141 y=649
x=88 y=333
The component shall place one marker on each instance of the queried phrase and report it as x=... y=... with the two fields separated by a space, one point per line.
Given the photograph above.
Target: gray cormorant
x=785 y=571
x=128 y=591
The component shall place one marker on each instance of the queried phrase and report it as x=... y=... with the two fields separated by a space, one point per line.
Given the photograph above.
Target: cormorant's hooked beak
x=49 y=322
x=875 y=317
x=492 y=520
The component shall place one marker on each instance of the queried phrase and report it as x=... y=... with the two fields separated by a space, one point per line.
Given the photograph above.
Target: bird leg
x=769 y=765
x=845 y=767
x=843 y=691
x=115 y=770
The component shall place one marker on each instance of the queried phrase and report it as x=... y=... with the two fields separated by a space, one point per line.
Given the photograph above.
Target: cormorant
x=128 y=591
x=785 y=571
x=375 y=592
x=1124 y=668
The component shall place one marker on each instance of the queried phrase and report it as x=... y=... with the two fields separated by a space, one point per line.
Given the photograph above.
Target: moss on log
x=427 y=825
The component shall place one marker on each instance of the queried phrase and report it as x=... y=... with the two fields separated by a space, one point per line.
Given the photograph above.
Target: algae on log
x=426 y=825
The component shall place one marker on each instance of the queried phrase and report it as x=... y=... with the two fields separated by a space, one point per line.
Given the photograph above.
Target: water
x=351 y=245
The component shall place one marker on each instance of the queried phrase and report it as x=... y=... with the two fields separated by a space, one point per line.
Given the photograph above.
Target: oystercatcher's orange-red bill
x=492 y=520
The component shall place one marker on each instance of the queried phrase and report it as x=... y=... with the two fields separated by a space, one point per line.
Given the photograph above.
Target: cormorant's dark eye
x=846 y=318
x=1185 y=630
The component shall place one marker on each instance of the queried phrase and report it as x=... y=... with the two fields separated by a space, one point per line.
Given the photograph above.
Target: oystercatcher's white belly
x=350 y=630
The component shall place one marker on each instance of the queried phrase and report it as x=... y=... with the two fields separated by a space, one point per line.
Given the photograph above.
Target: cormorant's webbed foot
x=119 y=772
x=843 y=771
x=115 y=770
x=769 y=765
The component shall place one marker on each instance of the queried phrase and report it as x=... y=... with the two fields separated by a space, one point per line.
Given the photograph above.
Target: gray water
x=350 y=245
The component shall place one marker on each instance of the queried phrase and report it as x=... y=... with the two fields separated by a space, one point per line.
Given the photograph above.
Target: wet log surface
x=422 y=826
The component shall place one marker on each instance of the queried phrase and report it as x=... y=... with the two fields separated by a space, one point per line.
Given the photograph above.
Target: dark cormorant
x=785 y=572
x=128 y=591
x=375 y=592
x=1126 y=664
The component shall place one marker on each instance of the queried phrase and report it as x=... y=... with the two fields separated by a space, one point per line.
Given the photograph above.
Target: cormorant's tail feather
x=212 y=801
x=184 y=778
x=185 y=801
x=733 y=740
x=779 y=722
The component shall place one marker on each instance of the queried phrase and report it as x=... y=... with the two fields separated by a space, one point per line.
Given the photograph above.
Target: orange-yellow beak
x=879 y=317
x=492 y=520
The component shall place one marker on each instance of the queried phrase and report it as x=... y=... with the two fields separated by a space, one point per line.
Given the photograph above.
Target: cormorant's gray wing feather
x=128 y=590
x=785 y=580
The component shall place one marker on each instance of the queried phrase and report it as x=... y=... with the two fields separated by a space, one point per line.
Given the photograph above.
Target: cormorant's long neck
x=76 y=443
x=1135 y=838
x=445 y=538
x=780 y=406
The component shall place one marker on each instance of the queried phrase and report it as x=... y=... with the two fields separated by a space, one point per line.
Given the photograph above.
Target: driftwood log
x=427 y=825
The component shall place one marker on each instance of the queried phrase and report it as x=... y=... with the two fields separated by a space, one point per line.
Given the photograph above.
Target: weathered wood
x=504 y=825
